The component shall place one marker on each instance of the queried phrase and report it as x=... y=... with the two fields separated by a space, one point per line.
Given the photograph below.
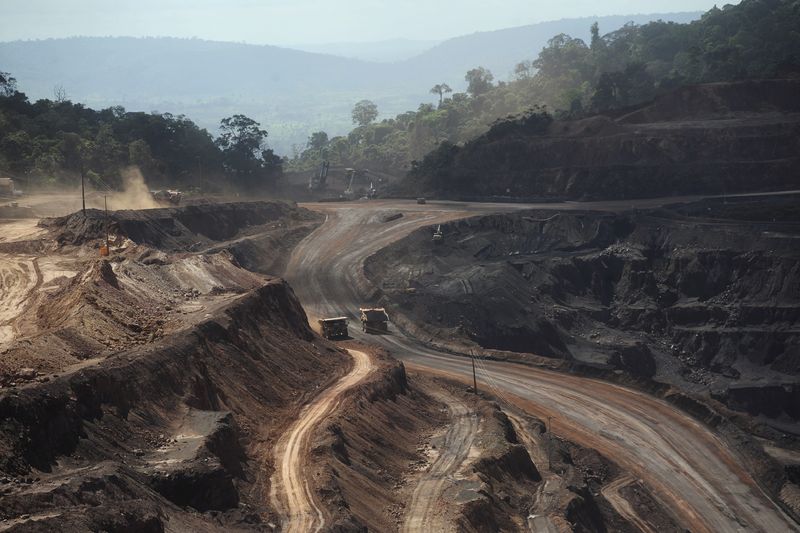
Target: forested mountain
x=290 y=92
x=574 y=77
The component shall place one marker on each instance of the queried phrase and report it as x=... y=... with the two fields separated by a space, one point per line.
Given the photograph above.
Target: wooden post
x=83 y=194
x=474 y=377
x=105 y=203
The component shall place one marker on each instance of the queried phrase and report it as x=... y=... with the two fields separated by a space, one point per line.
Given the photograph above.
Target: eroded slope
x=709 y=304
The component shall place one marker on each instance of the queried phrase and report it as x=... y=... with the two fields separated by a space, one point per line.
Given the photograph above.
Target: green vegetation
x=52 y=142
x=756 y=38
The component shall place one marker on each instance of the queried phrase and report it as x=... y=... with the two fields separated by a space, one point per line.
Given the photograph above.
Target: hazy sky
x=301 y=21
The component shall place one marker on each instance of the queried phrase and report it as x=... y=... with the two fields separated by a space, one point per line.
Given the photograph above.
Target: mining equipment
x=421 y=201
x=438 y=236
x=374 y=320
x=349 y=192
x=320 y=180
x=170 y=195
x=334 y=328
x=7 y=188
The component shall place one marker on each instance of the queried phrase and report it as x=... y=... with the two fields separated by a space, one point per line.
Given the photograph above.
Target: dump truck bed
x=374 y=320
x=334 y=328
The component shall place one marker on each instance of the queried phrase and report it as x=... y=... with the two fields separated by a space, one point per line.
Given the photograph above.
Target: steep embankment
x=717 y=138
x=705 y=303
x=259 y=234
x=184 y=422
x=145 y=391
x=65 y=309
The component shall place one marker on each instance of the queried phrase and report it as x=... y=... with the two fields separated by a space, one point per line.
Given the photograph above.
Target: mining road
x=290 y=492
x=689 y=469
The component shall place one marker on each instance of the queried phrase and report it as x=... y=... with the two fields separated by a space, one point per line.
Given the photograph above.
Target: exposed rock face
x=697 y=301
x=716 y=138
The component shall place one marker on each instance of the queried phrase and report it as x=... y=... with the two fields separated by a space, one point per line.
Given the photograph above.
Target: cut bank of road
x=682 y=462
x=290 y=492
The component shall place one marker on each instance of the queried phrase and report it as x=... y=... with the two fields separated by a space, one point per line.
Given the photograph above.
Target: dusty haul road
x=290 y=492
x=689 y=469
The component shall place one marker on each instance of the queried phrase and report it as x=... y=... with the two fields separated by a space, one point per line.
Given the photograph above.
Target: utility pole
x=474 y=377
x=83 y=194
x=105 y=203
x=549 y=442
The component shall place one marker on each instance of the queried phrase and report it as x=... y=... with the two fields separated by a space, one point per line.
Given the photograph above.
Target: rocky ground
x=689 y=299
x=151 y=389
x=401 y=455
x=143 y=391
x=703 y=298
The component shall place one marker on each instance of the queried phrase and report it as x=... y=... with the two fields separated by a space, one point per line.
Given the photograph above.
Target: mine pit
x=162 y=381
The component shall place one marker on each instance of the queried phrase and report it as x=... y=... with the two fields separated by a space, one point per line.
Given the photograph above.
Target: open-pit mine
x=597 y=366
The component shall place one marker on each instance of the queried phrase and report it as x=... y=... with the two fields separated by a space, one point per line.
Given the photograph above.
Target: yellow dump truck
x=374 y=320
x=334 y=328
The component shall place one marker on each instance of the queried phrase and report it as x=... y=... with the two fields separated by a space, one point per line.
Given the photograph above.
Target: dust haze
x=135 y=193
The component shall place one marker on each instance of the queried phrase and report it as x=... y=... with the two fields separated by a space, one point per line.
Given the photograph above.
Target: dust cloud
x=134 y=195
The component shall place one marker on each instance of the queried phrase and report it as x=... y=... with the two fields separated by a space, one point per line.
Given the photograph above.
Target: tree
x=243 y=154
x=441 y=89
x=524 y=70
x=364 y=112
x=139 y=154
x=479 y=81
x=318 y=140
x=8 y=85
x=241 y=133
x=60 y=94
x=597 y=41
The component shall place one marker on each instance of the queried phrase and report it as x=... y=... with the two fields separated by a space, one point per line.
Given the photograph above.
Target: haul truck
x=334 y=328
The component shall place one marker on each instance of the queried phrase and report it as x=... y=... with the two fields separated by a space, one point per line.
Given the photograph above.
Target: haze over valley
x=291 y=92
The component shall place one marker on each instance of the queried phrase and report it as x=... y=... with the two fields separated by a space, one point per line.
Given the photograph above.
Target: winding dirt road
x=691 y=471
x=290 y=491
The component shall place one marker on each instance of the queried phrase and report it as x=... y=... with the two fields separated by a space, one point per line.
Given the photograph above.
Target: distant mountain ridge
x=291 y=92
x=387 y=51
x=501 y=50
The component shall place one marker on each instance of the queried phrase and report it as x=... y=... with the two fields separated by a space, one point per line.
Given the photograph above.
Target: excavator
x=319 y=180
x=349 y=193
x=438 y=235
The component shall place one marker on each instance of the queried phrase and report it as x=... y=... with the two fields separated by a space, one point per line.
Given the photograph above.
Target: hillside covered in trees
x=290 y=92
x=53 y=142
x=573 y=78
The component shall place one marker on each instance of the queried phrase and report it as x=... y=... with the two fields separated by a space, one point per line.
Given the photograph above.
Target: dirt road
x=290 y=491
x=422 y=513
x=690 y=470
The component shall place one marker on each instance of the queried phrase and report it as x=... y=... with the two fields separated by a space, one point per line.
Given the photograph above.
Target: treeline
x=572 y=78
x=53 y=142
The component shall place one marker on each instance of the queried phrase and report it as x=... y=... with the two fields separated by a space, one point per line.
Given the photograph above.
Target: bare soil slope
x=144 y=392
x=708 y=304
x=716 y=138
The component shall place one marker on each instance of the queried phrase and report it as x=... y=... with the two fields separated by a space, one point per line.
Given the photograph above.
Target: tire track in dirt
x=611 y=493
x=290 y=491
x=19 y=279
x=424 y=513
